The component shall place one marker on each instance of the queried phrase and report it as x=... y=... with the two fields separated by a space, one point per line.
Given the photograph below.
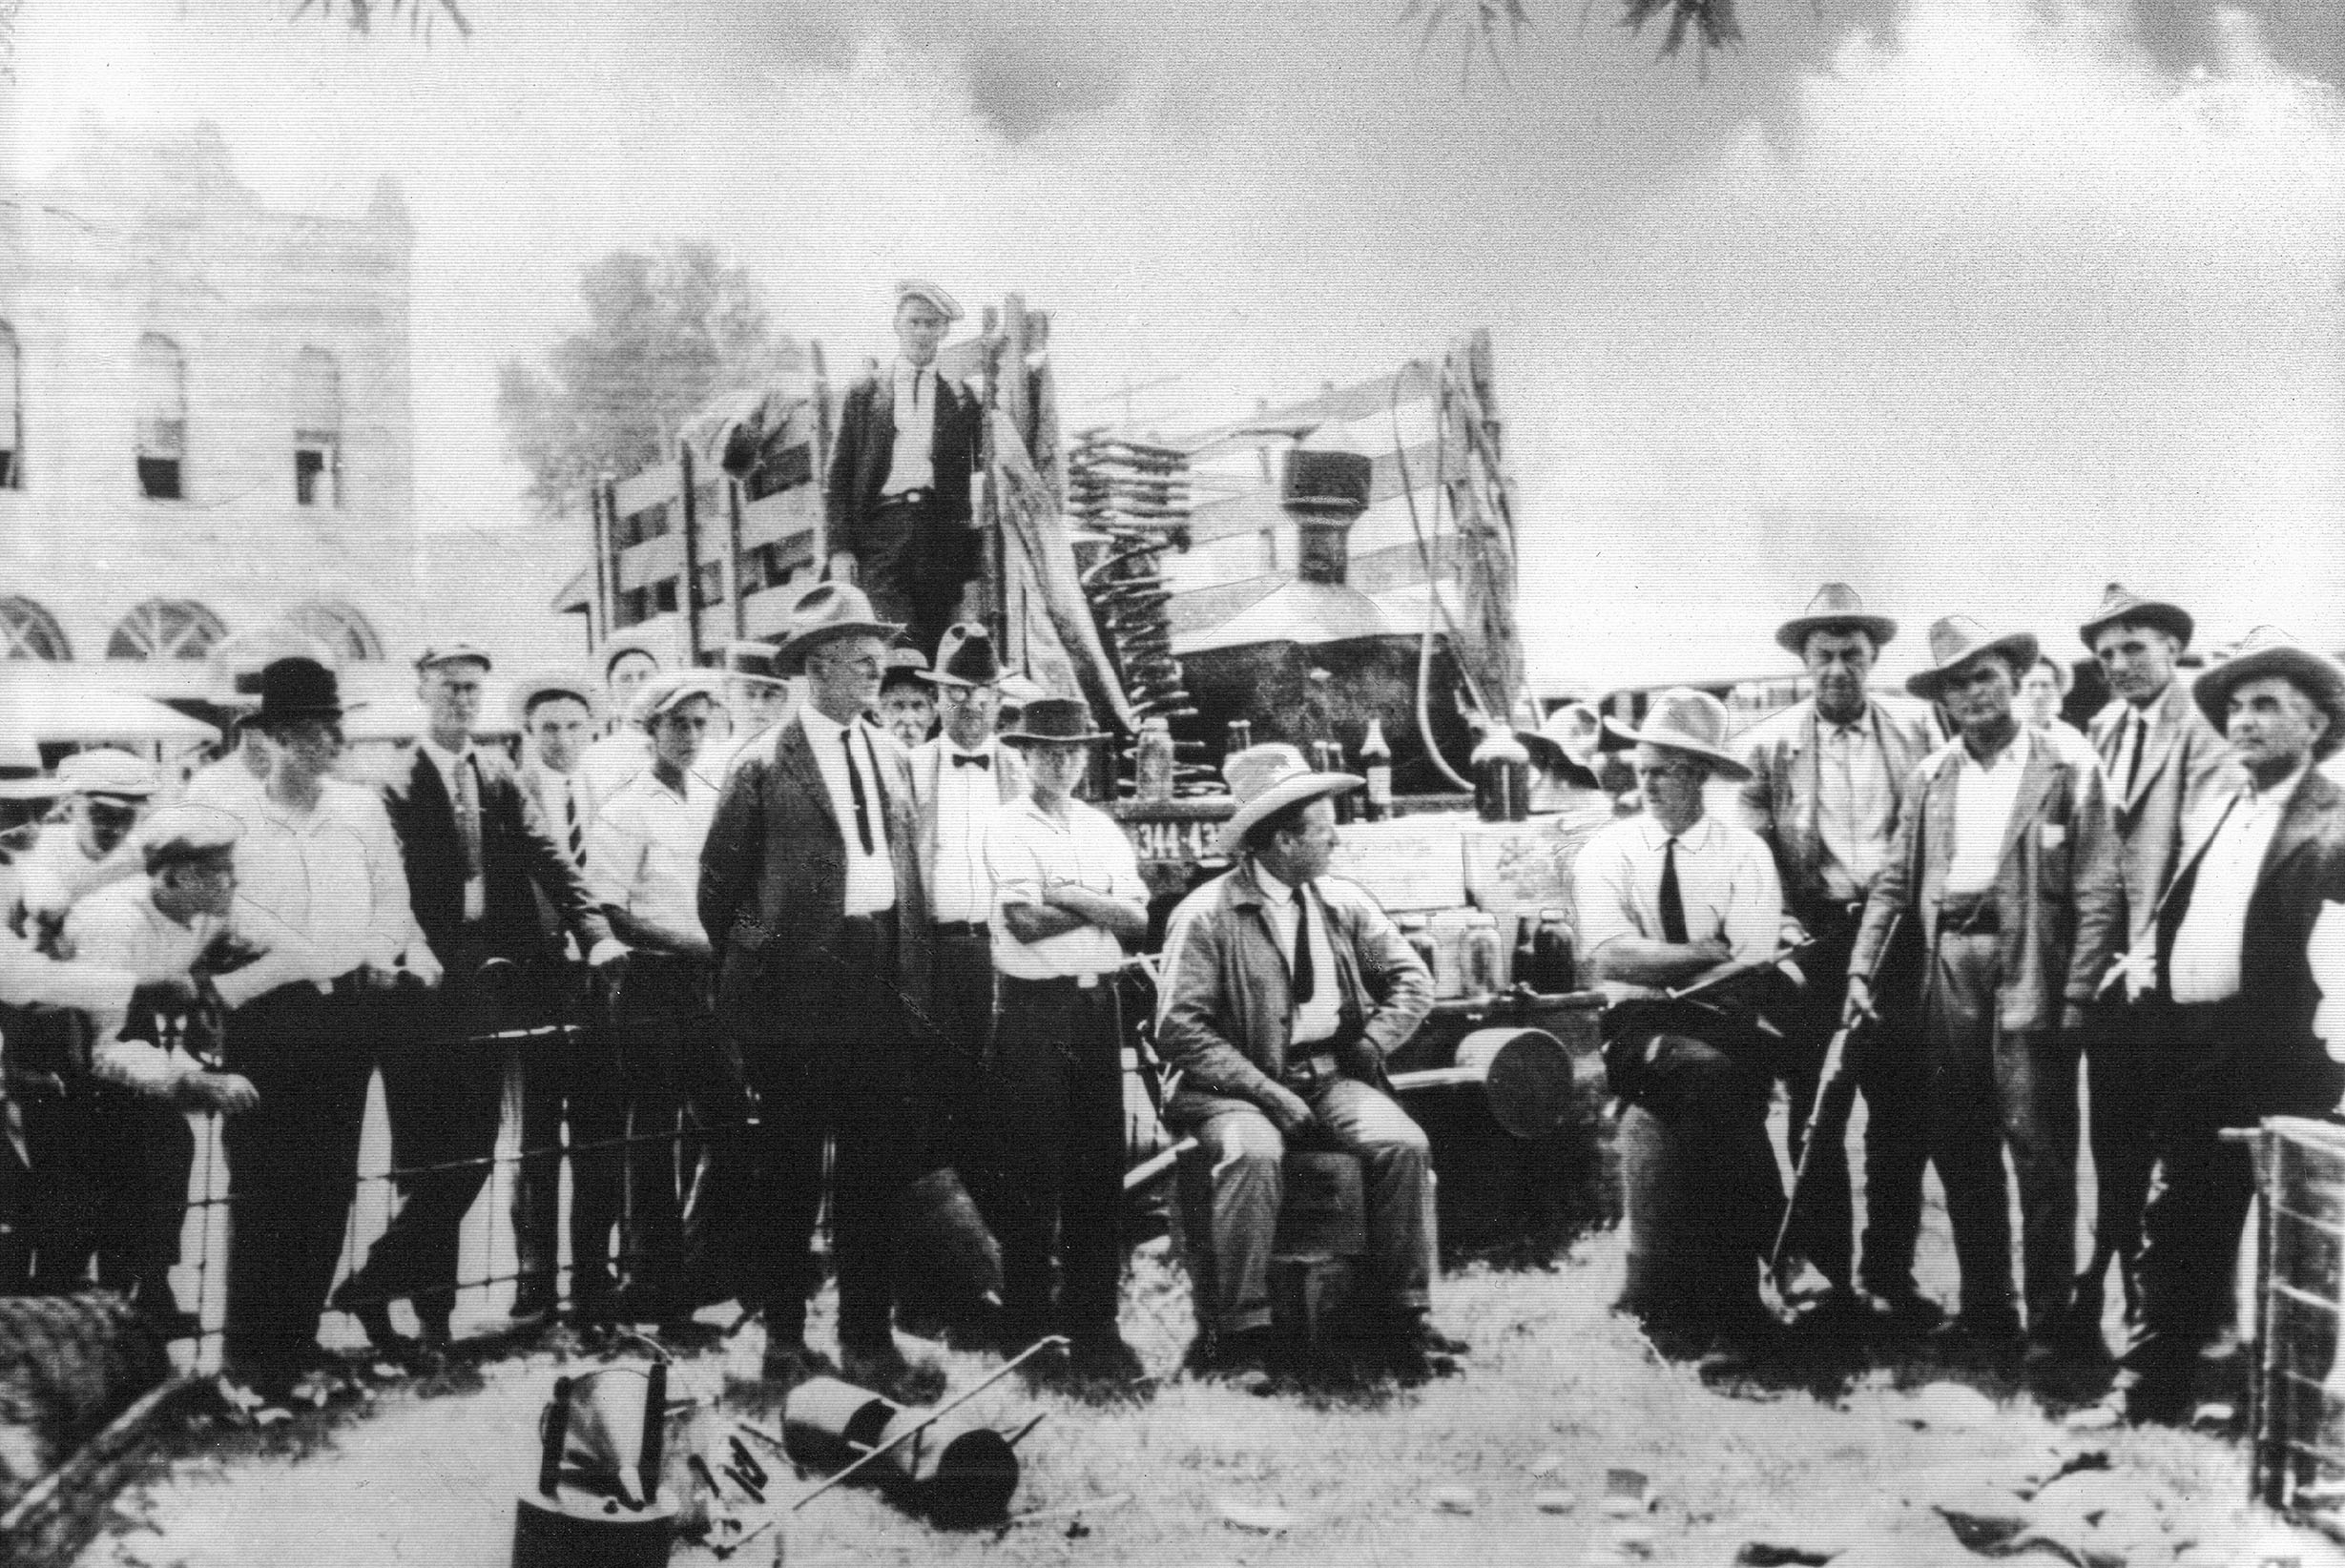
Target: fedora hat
x=1562 y=745
x=965 y=656
x=297 y=687
x=2267 y=650
x=1054 y=721
x=1684 y=719
x=2120 y=604
x=1957 y=640
x=548 y=685
x=1266 y=779
x=823 y=613
x=107 y=771
x=1835 y=607
x=748 y=656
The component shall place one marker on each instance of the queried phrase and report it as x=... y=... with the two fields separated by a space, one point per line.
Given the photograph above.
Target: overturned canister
x=954 y=1470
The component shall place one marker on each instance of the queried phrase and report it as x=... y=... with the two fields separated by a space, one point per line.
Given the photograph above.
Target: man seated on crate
x=1284 y=992
x=1664 y=897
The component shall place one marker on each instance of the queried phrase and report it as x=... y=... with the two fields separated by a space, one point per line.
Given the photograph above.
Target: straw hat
x=1835 y=607
x=1957 y=640
x=2267 y=650
x=1267 y=779
x=2120 y=604
x=1683 y=719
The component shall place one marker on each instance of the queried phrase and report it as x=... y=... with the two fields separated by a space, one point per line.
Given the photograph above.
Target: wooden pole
x=733 y=557
x=822 y=417
x=607 y=554
x=686 y=479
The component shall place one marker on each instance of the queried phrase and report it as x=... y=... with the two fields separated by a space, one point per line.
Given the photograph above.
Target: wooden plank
x=61 y=1513
x=795 y=510
x=1254 y=510
x=1398 y=566
x=766 y=612
x=661 y=482
x=1356 y=402
x=653 y=561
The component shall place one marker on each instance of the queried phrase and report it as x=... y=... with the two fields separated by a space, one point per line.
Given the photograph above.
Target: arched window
x=338 y=629
x=12 y=412
x=166 y=628
x=162 y=418
x=317 y=429
x=27 y=632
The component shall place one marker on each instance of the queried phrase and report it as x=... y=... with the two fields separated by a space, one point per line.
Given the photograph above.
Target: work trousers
x=442 y=1093
x=569 y=1080
x=2120 y=1056
x=108 y=1185
x=1990 y=1087
x=1249 y=1186
x=962 y=1005
x=293 y=1161
x=687 y=1159
x=913 y=567
x=1058 y=1080
x=872 y=1097
x=1890 y=1077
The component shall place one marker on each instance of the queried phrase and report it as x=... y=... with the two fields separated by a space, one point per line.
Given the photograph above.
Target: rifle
x=1836 y=1097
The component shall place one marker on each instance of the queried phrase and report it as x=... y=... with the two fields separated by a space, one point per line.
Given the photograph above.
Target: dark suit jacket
x=866 y=445
x=2267 y=1060
x=772 y=894
x=518 y=856
x=2184 y=762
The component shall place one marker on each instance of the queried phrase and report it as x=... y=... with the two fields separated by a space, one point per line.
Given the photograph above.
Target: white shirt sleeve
x=1602 y=893
x=1754 y=909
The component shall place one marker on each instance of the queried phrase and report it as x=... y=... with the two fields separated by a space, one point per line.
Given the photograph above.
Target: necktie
x=2136 y=740
x=468 y=815
x=577 y=829
x=854 y=784
x=963 y=759
x=1306 y=981
x=1672 y=901
x=917 y=373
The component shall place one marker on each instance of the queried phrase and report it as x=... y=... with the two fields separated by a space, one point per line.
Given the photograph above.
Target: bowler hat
x=823 y=613
x=297 y=687
x=1835 y=607
x=2122 y=605
x=1683 y=719
x=965 y=656
x=1956 y=641
x=2269 y=650
x=1268 y=778
x=1053 y=721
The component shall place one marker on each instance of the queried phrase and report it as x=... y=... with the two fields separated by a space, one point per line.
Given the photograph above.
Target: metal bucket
x=1687 y=1269
x=956 y=1470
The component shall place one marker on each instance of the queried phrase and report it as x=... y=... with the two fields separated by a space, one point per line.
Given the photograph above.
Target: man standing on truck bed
x=898 y=506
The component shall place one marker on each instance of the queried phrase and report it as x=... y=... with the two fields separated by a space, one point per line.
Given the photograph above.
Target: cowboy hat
x=1266 y=779
x=549 y=685
x=1555 y=746
x=2121 y=605
x=2267 y=650
x=1054 y=721
x=965 y=657
x=824 y=613
x=1683 y=719
x=1835 y=607
x=1957 y=640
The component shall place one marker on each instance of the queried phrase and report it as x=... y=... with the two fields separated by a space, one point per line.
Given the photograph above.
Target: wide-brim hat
x=1835 y=607
x=748 y=657
x=1549 y=748
x=663 y=691
x=108 y=770
x=965 y=656
x=2121 y=604
x=824 y=613
x=1549 y=757
x=2269 y=650
x=1683 y=719
x=1266 y=780
x=547 y=685
x=1956 y=641
x=297 y=687
x=1054 y=721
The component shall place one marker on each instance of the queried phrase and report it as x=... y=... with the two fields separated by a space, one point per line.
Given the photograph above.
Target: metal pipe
x=932 y=1417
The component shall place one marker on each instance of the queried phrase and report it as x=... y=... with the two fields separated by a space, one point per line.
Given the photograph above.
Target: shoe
x=883 y=1369
x=1104 y=1358
x=2073 y=1334
x=788 y=1365
x=1245 y=1353
x=534 y=1303
x=436 y=1334
x=375 y=1317
x=1414 y=1331
x=1836 y=1318
x=1904 y=1314
x=2141 y=1404
x=1997 y=1330
x=636 y=1302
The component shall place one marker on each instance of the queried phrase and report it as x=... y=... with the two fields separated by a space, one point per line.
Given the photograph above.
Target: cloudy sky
x=1978 y=303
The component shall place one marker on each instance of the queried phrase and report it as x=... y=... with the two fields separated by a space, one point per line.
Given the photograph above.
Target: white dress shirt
x=1320 y=1018
x=460 y=775
x=1984 y=796
x=120 y=926
x=55 y=875
x=1726 y=880
x=1855 y=814
x=2204 y=964
x=227 y=785
x=643 y=852
x=324 y=889
x=967 y=800
x=871 y=878
x=1028 y=851
x=909 y=467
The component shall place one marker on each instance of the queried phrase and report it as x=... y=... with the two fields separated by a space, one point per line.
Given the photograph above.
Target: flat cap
x=186 y=832
x=455 y=652
x=920 y=288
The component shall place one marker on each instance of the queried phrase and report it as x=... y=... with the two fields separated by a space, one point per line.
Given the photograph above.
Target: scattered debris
x=1263 y=1519
x=1625 y=1494
x=1951 y=1407
x=1802 y=1541
x=2092 y=1418
x=1090 y=1505
x=1454 y=1499
x=1554 y=1501
x=1634 y=1539
x=1983 y=1517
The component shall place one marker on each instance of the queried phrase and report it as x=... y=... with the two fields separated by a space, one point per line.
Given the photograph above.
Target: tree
x=1709 y=23
x=665 y=335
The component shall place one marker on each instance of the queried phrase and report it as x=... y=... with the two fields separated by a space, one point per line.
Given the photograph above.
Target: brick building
x=206 y=429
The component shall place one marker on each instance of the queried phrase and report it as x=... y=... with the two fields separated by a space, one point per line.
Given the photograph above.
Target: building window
x=162 y=419
x=341 y=630
x=166 y=628
x=12 y=412
x=317 y=429
x=27 y=632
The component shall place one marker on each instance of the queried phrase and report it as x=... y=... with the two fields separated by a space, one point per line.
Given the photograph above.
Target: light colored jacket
x=1009 y=780
x=1224 y=1009
x=2185 y=764
x=1779 y=800
x=2059 y=896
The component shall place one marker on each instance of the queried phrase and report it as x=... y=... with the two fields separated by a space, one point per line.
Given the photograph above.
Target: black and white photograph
x=1177 y=783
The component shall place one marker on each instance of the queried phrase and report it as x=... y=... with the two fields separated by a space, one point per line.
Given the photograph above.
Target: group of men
x=2164 y=905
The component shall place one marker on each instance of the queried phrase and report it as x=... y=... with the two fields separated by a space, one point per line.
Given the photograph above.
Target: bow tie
x=963 y=759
